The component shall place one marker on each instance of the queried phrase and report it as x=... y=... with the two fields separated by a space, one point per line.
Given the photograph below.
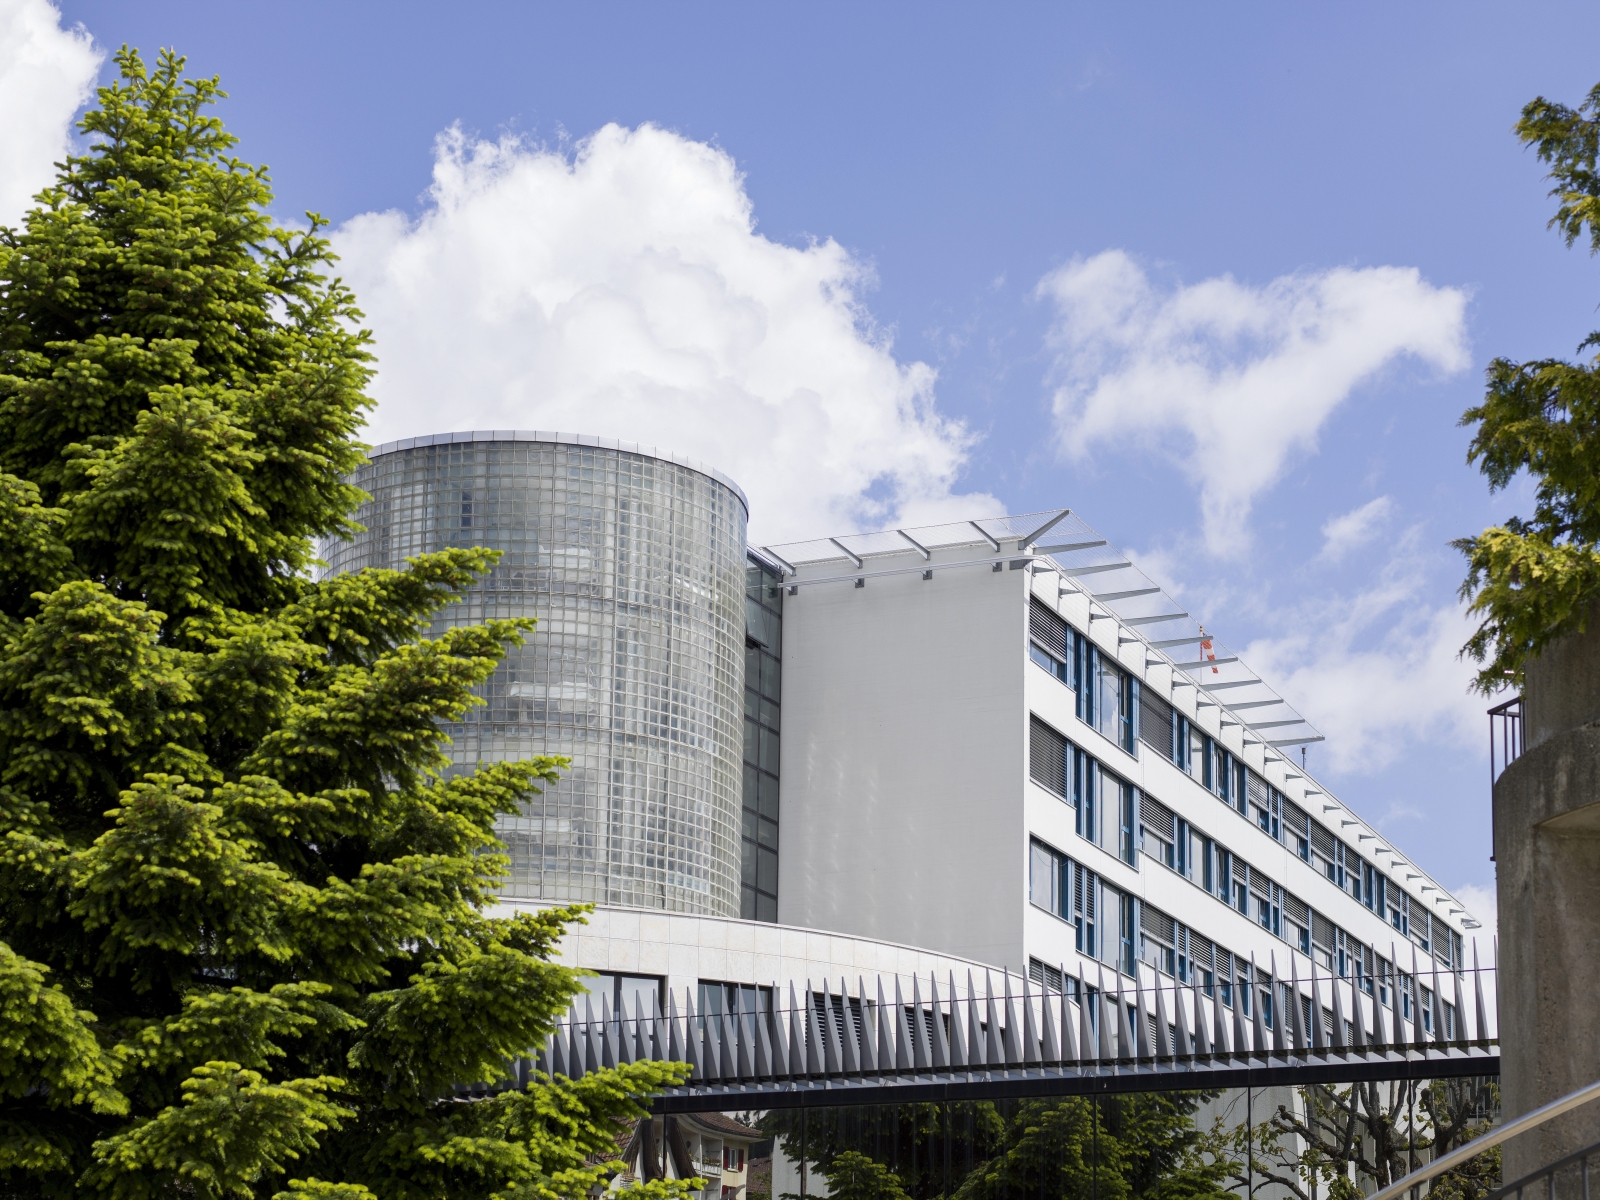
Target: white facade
x=909 y=813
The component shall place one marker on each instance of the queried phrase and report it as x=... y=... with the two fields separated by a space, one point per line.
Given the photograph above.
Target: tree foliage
x=243 y=905
x=1350 y=1141
x=1536 y=579
x=1133 y=1147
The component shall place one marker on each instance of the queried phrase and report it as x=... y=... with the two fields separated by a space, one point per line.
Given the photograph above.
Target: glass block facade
x=635 y=568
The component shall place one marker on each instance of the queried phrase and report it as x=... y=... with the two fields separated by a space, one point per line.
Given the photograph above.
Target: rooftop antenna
x=1302 y=758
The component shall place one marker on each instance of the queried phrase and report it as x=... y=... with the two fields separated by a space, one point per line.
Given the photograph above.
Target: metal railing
x=1505 y=736
x=1547 y=1175
x=1505 y=1133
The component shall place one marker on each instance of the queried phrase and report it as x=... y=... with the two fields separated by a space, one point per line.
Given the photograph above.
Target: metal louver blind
x=1295 y=817
x=1296 y=909
x=1396 y=896
x=1260 y=884
x=1047 y=756
x=1322 y=932
x=1048 y=629
x=1156 y=923
x=1323 y=842
x=1155 y=722
x=1201 y=950
x=1156 y=816
x=1258 y=790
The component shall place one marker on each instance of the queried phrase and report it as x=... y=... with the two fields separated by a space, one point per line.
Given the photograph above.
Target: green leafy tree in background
x=243 y=941
x=1135 y=1147
x=1533 y=580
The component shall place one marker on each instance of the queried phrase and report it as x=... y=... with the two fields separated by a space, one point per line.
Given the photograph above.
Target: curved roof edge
x=565 y=439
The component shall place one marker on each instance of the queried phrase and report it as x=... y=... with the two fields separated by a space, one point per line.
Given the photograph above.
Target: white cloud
x=1378 y=672
x=1354 y=529
x=624 y=291
x=1480 y=902
x=1229 y=379
x=46 y=73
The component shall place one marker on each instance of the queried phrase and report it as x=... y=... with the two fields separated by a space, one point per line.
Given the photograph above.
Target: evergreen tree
x=1533 y=580
x=244 y=948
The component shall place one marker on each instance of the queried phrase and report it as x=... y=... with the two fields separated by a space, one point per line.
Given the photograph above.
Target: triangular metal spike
x=1461 y=1011
x=641 y=1030
x=1049 y=1049
x=958 y=1042
x=920 y=1058
x=674 y=1045
x=1360 y=1042
x=1069 y=1028
x=867 y=1041
x=1280 y=1026
x=902 y=1033
x=1202 y=1044
x=827 y=1022
x=711 y=1045
x=885 y=1031
x=1397 y=1007
x=1010 y=1043
x=743 y=1064
x=591 y=1054
x=1298 y=1030
x=1105 y=1019
x=939 y=1045
x=1482 y=1014
x=658 y=1030
x=1419 y=1030
x=1163 y=1034
x=797 y=1038
x=730 y=1029
x=1030 y=1028
x=975 y=1032
x=761 y=1041
x=1339 y=1042
x=814 y=1062
x=1258 y=1028
x=625 y=1033
x=1440 y=1033
x=558 y=1055
x=1126 y=1046
x=776 y=1042
x=849 y=1039
x=1141 y=1021
x=695 y=1040
x=1219 y=1026
x=1242 y=1045
x=608 y=1041
x=1185 y=1046
x=993 y=1051
x=1087 y=1051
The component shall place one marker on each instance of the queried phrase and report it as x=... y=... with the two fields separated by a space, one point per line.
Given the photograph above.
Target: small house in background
x=710 y=1146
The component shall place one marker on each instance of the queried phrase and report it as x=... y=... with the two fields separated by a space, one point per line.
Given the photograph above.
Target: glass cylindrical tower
x=633 y=562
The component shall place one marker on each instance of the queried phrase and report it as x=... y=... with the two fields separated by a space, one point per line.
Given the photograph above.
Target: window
x=1050 y=641
x=1156 y=722
x=1047 y=758
x=1108 y=698
x=1087 y=903
x=1045 y=874
x=1127 y=843
x=763 y=606
x=1297 y=825
x=718 y=999
x=1157 y=834
x=634 y=992
x=1158 y=940
x=1086 y=795
x=1128 y=928
x=1044 y=975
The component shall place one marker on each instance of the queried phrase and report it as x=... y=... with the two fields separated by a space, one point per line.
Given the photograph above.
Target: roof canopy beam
x=848 y=553
x=920 y=548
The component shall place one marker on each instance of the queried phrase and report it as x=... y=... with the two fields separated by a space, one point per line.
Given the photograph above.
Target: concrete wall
x=905 y=734
x=685 y=949
x=1547 y=851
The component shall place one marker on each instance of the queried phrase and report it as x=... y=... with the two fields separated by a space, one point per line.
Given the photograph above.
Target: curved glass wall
x=634 y=566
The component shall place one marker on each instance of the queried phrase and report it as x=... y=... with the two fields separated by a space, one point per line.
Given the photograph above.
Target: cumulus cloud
x=1378 y=671
x=623 y=290
x=1481 y=904
x=1354 y=529
x=46 y=73
x=1229 y=379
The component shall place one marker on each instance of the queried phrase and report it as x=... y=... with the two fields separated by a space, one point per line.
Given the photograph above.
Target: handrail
x=1491 y=1139
x=1575 y=1156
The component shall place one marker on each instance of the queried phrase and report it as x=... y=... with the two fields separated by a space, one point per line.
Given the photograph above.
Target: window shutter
x=1323 y=932
x=1047 y=757
x=1258 y=791
x=1156 y=816
x=1295 y=817
x=1323 y=842
x=1048 y=629
x=1156 y=923
x=1155 y=722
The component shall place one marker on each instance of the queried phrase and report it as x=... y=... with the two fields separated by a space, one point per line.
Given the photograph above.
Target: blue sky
x=855 y=264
